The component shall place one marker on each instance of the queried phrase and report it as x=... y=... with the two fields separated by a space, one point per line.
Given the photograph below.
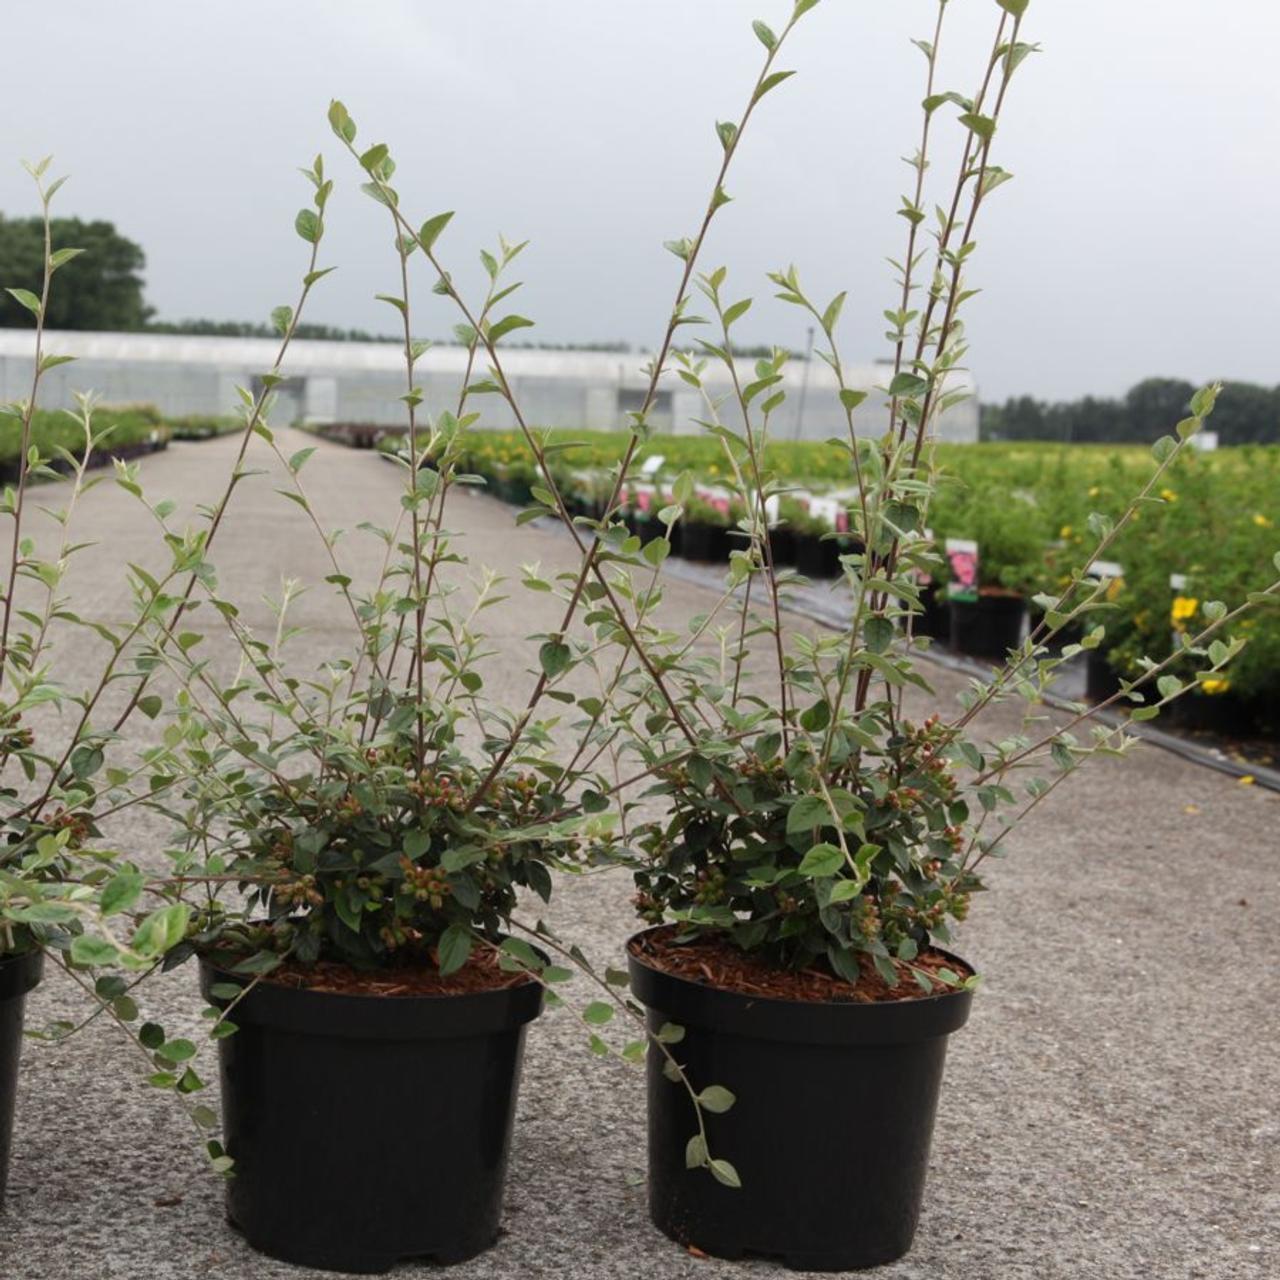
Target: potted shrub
x=819 y=838
x=59 y=879
x=352 y=840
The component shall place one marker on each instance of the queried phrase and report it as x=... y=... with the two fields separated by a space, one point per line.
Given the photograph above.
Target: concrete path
x=1110 y=1111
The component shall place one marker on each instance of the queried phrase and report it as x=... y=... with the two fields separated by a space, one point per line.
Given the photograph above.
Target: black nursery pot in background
x=1222 y=713
x=816 y=557
x=705 y=542
x=1100 y=679
x=987 y=627
x=934 y=618
x=18 y=975
x=369 y=1129
x=782 y=546
x=830 y=1130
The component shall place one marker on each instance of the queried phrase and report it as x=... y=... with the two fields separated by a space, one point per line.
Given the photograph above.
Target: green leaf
x=907 y=384
x=430 y=230
x=808 y=812
x=772 y=81
x=372 y=159
x=1015 y=7
x=597 y=1013
x=983 y=126
x=60 y=257
x=27 y=298
x=831 y=316
x=121 y=892
x=765 y=35
x=307 y=225
x=555 y=656
x=695 y=1152
x=176 y=1050
x=90 y=951
x=877 y=633
x=86 y=761
x=506 y=325
x=821 y=861
x=716 y=1098
x=454 y=948
x=850 y=398
x=341 y=122
x=725 y=1173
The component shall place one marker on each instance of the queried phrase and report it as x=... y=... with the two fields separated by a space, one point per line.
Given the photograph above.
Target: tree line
x=1246 y=413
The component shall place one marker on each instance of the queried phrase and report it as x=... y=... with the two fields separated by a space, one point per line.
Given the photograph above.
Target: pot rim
x=20 y=973
x=810 y=1021
x=370 y=1016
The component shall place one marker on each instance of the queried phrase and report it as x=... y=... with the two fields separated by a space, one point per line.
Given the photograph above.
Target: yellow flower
x=1168 y=495
x=1262 y=522
x=1248 y=780
x=1184 y=607
x=1065 y=531
x=1114 y=588
x=713 y=469
x=1094 y=490
x=1214 y=685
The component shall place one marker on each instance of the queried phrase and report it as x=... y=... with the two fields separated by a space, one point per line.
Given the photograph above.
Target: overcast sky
x=1139 y=235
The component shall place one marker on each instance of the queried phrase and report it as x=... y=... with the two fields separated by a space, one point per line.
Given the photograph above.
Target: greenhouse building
x=360 y=382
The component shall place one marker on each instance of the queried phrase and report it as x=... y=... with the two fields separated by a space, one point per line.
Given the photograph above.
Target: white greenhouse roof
x=256 y=355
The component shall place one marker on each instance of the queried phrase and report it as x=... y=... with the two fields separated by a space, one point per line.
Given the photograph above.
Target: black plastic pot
x=648 y=528
x=934 y=618
x=369 y=1129
x=1226 y=714
x=782 y=546
x=705 y=542
x=817 y=557
x=829 y=1133
x=987 y=627
x=18 y=975
x=1100 y=679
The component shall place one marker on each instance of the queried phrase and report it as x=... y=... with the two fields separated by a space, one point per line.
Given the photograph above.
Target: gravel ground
x=1108 y=1112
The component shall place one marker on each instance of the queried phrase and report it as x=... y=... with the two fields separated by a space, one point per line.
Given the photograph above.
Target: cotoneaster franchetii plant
x=377 y=809
x=815 y=825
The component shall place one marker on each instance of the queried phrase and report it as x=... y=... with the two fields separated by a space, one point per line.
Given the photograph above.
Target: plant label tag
x=962 y=555
x=1106 y=570
x=825 y=509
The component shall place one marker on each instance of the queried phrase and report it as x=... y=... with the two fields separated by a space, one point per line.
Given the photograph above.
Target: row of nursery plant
x=360 y=842
x=56 y=433
x=1204 y=535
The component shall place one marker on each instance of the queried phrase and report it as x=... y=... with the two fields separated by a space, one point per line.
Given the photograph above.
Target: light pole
x=804 y=387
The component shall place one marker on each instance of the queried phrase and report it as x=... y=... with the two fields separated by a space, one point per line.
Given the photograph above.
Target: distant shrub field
x=1215 y=520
